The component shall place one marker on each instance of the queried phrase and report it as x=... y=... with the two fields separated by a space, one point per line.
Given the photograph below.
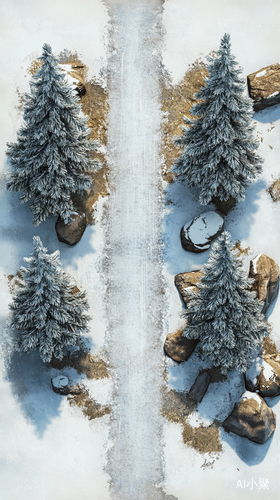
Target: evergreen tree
x=224 y=315
x=45 y=309
x=52 y=154
x=219 y=146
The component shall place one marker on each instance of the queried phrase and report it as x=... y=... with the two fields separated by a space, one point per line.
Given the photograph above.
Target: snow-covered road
x=135 y=301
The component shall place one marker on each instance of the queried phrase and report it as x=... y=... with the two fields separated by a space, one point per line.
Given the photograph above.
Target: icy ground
x=135 y=299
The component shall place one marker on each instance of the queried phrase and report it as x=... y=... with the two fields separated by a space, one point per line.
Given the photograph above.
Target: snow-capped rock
x=60 y=385
x=71 y=230
x=265 y=272
x=263 y=376
x=264 y=86
x=186 y=282
x=178 y=347
x=251 y=418
x=197 y=234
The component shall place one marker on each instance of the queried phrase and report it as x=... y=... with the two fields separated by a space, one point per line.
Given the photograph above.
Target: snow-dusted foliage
x=224 y=315
x=52 y=154
x=45 y=309
x=219 y=146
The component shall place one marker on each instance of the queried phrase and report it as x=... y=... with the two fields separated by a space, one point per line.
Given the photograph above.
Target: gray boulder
x=251 y=418
x=200 y=386
x=71 y=230
x=197 y=234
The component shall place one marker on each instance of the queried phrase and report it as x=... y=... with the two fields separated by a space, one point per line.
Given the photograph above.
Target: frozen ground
x=193 y=30
x=135 y=302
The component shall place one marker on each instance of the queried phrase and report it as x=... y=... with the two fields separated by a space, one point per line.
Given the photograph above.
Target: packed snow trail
x=135 y=300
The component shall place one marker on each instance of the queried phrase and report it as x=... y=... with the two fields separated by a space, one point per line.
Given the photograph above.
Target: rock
x=80 y=89
x=274 y=190
x=60 y=385
x=71 y=231
x=200 y=386
x=264 y=86
x=186 y=282
x=251 y=418
x=265 y=271
x=263 y=376
x=197 y=234
x=178 y=347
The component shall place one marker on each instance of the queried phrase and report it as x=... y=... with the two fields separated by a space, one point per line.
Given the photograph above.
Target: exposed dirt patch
x=176 y=408
x=83 y=362
x=241 y=251
x=94 y=105
x=176 y=102
x=90 y=408
x=202 y=439
x=13 y=280
x=269 y=346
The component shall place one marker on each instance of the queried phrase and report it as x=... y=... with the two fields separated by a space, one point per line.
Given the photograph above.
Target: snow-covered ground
x=192 y=30
x=135 y=302
x=48 y=449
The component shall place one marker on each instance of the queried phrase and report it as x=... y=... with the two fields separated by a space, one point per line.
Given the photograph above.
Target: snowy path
x=135 y=302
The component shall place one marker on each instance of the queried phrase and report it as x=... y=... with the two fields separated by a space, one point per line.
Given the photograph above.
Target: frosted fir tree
x=45 y=309
x=53 y=155
x=224 y=315
x=219 y=147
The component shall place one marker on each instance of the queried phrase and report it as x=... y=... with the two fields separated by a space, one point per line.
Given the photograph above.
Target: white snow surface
x=133 y=260
x=254 y=370
x=60 y=381
x=193 y=30
x=255 y=261
x=251 y=395
x=49 y=450
x=274 y=93
x=261 y=73
x=203 y=227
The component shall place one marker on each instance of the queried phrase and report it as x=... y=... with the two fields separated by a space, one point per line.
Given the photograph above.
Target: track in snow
x=135 y=299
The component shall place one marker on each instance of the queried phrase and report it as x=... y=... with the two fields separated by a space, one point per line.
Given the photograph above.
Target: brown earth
x=176 y=102
x=83 y=362
x=178 y=405
x=241 y=251
x=90 y=408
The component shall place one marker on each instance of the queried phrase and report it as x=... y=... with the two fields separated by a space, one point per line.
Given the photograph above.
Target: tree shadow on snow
x=30 y=381
x=249 y=452
x=268 y=115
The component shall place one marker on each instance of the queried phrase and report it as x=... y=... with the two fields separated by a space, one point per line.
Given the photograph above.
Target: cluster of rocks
x=251 y=416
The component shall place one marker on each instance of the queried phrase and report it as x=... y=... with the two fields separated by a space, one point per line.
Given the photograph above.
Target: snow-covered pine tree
x=224 y=315
x=45 y=310
x=219 y=146
x=53 y=155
